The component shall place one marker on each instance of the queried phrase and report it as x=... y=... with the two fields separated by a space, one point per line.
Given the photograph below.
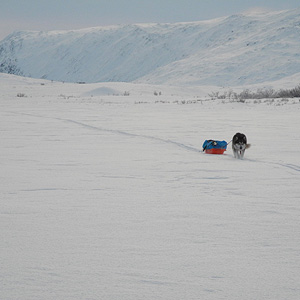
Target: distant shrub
x=258 y=94
x=21 y=95
x=292 y=93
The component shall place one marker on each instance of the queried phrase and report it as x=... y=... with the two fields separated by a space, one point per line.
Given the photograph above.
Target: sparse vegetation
x=258 y=94
x=21 y=95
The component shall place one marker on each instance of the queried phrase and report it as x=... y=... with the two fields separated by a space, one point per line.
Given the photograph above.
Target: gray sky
x=75 y=14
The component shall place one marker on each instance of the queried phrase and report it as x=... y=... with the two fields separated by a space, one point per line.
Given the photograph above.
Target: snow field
x=107 y=197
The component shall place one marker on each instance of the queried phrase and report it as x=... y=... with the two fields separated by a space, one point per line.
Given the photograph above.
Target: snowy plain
x=110 y=196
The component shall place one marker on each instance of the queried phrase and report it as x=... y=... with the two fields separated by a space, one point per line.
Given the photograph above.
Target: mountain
x=235 y=50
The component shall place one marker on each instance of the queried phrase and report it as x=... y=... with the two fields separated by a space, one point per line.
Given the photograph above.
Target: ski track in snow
x=135 y=135
x=120 y=132
x=289 y=166
x=166 y=141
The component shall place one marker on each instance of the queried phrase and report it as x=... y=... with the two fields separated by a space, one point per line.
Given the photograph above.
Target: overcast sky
x=75 y=14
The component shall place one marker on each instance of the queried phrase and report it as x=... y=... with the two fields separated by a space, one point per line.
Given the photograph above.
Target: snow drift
x=235 y=50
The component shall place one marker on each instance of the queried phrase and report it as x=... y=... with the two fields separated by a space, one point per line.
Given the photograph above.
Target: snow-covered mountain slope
x=235 y=50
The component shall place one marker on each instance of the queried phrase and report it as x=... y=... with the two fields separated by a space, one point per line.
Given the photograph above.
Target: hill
x=235 y=50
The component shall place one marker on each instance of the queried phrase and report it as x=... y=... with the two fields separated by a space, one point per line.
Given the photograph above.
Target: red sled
x=214 y=147
x=215 y=151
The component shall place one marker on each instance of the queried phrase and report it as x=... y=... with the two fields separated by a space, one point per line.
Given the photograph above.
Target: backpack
x=214 y=147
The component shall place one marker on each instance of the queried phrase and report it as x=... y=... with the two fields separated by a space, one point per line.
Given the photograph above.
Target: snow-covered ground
x=110 y=196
